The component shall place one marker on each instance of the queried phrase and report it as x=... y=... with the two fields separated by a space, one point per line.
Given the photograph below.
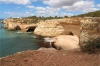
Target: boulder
x=66 y=42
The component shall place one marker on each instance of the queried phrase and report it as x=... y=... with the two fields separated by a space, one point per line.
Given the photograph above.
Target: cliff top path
x=51 y=57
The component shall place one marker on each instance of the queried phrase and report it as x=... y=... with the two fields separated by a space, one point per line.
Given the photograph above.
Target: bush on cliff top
x=92 y=46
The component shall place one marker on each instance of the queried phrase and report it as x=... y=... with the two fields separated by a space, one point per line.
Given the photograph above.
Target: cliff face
x=49 y=28
x=10 y=26
x=90 y=29
x=57 y=27
x=18 y=24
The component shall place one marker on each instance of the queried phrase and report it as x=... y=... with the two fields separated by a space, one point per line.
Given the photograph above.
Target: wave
x=22 y=32
x=34 y=36
x=48 y=39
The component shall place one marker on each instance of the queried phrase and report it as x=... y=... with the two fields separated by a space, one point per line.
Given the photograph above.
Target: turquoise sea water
x=12 y=42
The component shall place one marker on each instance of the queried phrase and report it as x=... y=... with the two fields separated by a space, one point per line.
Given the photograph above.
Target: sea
x=12 y=42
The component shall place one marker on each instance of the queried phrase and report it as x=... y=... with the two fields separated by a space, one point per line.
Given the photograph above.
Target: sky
x=25 y=8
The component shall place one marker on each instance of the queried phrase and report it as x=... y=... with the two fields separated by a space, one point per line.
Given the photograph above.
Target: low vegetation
x=90 y=14
x=35 y=19
x=92 y=46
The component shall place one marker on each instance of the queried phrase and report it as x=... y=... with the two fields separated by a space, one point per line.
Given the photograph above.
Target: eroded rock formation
x=22 y=24
x=10 y=26
x=57 y=27
x=49 y=28
x=63 y=26
x=67 y=42
x=90 y=29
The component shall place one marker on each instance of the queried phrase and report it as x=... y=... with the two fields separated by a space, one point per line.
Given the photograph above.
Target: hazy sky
x=23 y=8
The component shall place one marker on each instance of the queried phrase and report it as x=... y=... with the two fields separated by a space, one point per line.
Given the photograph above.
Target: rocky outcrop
x=48 y=28
x=57 y=27
x=26 y=27
x=10 y=26
x=18 y=20
x=90 y=29
x=67 y=42
x=18 y=24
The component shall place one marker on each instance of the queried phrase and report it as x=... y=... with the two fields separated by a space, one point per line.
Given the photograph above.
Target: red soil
x=51 y=57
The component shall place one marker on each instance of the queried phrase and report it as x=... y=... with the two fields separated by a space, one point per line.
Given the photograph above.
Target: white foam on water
x=34 y=36
x=49 y=40
x=22 y=32
x=28 y=32
x=18 y=32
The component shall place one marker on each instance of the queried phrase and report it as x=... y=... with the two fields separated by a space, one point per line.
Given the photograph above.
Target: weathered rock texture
x=67 y=42
x=10 y=26
x=57 y=27
x=49 y=28
x=22 y=24
x=90 y=29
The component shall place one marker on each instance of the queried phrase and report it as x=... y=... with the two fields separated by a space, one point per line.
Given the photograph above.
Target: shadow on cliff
x=31 y=29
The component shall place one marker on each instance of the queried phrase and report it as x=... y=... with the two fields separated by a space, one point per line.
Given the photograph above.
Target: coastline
x=52 y=57
x=12 y=42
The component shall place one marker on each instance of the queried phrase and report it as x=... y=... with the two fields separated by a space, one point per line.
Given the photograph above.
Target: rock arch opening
x=31 y=29
x=18 y=28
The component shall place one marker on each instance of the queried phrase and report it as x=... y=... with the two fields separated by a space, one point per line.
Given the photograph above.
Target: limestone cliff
x=22 y=24
x=10 y=26
x=90 y=29
x=48 y=29
x=57 y=27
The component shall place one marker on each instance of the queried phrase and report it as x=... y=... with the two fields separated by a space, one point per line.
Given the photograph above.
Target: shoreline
x=40 y=49
x=52 y=57
x=40 y=42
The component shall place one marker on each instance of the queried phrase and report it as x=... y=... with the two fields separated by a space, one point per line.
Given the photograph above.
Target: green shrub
x=92 y=46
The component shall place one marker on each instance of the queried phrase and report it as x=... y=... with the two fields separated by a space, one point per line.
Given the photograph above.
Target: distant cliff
x=18 y=24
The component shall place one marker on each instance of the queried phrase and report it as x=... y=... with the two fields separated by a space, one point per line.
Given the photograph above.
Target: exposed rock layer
x=22 y=24
x=90 y=29
x=57 y=27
